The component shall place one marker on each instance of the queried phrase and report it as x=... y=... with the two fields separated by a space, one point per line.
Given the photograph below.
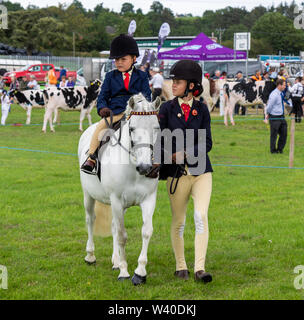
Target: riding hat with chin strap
x=191 y=72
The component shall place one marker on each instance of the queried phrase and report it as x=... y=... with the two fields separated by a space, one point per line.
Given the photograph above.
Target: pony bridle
x=140 y=145
x=133 y=146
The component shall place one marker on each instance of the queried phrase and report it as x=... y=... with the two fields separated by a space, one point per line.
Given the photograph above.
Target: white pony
x=122 y=183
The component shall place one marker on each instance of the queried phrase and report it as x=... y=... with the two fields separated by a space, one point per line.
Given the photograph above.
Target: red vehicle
x=38 y=70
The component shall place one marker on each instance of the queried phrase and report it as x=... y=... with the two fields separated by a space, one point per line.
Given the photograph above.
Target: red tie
x=186 y=109
x=127 y=80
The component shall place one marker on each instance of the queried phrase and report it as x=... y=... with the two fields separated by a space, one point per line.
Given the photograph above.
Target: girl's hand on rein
x=178 y=157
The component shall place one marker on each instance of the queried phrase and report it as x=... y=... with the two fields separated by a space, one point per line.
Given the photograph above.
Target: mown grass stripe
x=219 y=165
x=42 y=151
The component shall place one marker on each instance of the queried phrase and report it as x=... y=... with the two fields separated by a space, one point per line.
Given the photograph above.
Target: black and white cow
x=246 y=94
x=28 y=99
x=81 y=99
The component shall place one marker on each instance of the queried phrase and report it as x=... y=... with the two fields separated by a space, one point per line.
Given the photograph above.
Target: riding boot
x=89 y=165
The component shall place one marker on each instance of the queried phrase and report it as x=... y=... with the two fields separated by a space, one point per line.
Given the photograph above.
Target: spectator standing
x=157 y=83
x=257 y=76
x=1 y=84
x=281 y=75
x=275 y=114
x=217 y=75
x=273 y=74
x=223 y=75
x=240 y=78
x=266 y=76
x=52 y=80
x=297 y=94
x=23 y=84
x=5 y=106
x=14 y=82
x=63 y=73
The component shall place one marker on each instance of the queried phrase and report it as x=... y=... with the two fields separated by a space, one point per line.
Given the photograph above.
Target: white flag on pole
x=163 y=34
x=132 y=28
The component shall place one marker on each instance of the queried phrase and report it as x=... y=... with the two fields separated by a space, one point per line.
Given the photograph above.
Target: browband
x=142 y=113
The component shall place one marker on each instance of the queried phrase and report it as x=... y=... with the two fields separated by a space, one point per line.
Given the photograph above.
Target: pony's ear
x=131 y=102
x=157 y=103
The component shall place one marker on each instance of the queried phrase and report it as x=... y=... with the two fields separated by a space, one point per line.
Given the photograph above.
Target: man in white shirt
x=276 y=117
x=33 y=84
x=157 y=83
x=297 y=94
x=5 y=106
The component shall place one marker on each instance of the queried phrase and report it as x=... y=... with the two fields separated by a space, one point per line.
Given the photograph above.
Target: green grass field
x=255 y=220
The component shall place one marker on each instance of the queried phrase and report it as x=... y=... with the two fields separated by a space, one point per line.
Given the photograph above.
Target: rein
x=142 y=145
x=133 y=146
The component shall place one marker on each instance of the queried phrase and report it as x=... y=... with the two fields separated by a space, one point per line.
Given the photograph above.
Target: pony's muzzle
x=143 y=169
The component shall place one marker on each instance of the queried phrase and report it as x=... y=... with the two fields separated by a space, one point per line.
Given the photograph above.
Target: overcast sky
x=196 y=7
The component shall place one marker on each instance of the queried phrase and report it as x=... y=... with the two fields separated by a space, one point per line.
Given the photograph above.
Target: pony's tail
x=103 y=222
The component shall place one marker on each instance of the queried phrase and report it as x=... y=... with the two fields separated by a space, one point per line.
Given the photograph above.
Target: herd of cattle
x=84 y=99
x=79 y=98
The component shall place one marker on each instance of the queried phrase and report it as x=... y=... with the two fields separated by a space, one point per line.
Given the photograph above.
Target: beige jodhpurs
x=199 y=187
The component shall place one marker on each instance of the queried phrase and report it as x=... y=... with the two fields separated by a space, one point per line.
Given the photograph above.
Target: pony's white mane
x=138 y=102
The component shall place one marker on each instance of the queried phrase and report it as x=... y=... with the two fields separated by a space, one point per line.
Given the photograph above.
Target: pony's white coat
x=121 y=185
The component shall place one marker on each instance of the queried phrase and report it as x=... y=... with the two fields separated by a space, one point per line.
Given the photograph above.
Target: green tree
x=279 y=32
x=50 y=34
x=127 y=8
x=77 y=4
x=254 y=15
x=260 y=46
x=10 y=6
x=229 y=33
x=157 y=7
x=21 y=25
x=97 y=10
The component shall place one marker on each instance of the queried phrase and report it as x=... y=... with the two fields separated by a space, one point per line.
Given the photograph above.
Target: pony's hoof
x=137 y=279
x=123 y=278
x=90 y=260
x=115 y=268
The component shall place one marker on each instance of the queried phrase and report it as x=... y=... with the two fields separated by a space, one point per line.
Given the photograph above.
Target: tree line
x=56 y=28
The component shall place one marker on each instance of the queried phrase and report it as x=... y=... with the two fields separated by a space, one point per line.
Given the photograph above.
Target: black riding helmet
x=191 y=72
x=123 y=45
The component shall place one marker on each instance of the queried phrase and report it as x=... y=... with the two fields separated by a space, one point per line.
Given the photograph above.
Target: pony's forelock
x=140 y=104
